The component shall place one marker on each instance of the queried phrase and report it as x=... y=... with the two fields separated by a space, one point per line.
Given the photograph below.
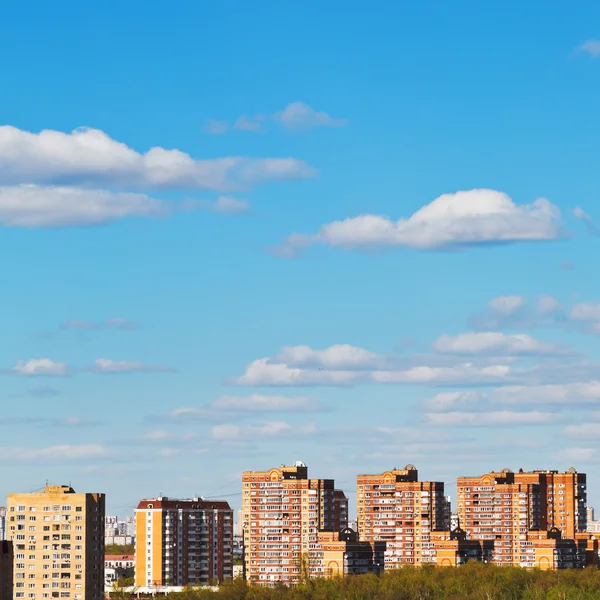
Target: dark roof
x=185 y=504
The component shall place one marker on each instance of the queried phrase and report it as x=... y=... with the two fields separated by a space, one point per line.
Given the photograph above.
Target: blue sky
x=239 y=234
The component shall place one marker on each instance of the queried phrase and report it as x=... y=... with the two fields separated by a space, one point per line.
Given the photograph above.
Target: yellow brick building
x=58 y=538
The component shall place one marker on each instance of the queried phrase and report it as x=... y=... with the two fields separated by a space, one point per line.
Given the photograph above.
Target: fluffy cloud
x=495 y=344
x=587 y=314
x=269 y=429
x=338 y=356
x=226 y=406
x=40 y=366
x=294 y=117
x=108 y=366
x=216 y=127
x=58 y=453
x=299 y=115
x=564 y=394
x=506 y=305
x=466 y=218
x=487 y=419
x=265 y=372
x=591 y=47
x=90 y=157
x=583 y=216
x=246 y=123
x=262 y=403
x=225 y=204
x=35 y=206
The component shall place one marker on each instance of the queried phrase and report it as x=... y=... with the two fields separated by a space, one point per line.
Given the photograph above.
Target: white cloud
x=583 y=216
x=62 y=452
x=466 y=218
x=567 y=394
x=591 y=47
x=224 y=204
x=587 y=313
x=448 y=401
x=338 y=356
x=262 y=403
x=90 y=157
x=485 y=419
x=40 y=366
x=298 y=115
x=294 y=117
x=34 y=206
x=494 y=343
x=216 y=127
x=246 y=123
x=506 y=305
x=268 y=373
x=119 y=323
x=548 y=305
x=265 y=372
x=269 y=429
x=106 y=365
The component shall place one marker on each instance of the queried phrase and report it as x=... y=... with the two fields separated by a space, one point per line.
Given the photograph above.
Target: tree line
x=474 y=581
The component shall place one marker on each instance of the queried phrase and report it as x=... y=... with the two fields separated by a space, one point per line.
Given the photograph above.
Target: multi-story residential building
x=58 y=544
x=496 y=510
x=6 y=570
x=183 y=542
x=396 y=508
x=503 y=508
x=341 y=511
x=563 y=499
x=283 y=512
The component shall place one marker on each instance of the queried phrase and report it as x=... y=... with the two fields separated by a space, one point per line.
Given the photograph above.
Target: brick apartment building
x=534 y=519
x=183 y=542
x=396 y=508
x=290 y=525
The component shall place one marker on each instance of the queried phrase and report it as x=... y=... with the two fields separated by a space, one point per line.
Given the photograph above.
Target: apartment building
x=396 y=508
x=58 y=541
x=496 y=510
x=563 y=499
x=283 y=512
x=340 y=515
x=183 y=542
x=528 y=517
x=6 y=570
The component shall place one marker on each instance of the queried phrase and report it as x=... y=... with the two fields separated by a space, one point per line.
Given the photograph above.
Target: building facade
x=341 y=553
x=340 y=515
x=396 y=508
x=6 y=570
x=283 y=512
x=58 y=544
x=563 y=499
x=528 y=519
x=183 y=542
